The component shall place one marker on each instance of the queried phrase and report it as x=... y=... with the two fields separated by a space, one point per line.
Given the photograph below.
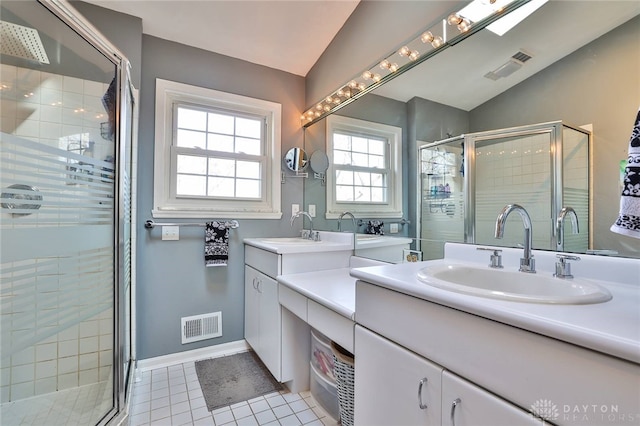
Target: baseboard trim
x=192 y=355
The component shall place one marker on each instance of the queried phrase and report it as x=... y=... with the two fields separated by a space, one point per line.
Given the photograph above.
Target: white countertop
x=612 y=327
x=329 y=241
x=333 y=288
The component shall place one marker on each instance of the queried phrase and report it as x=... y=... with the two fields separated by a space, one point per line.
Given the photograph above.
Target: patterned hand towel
x=375 y=227
x=216 y=244
x=628 y=222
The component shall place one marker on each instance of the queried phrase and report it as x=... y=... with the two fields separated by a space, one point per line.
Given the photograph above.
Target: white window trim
x=164 y=205
x=393 y=208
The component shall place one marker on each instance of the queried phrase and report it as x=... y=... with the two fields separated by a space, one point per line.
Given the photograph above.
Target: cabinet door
x=474 y=406
x=394 y=386
x=251 y=308
x=269 y=318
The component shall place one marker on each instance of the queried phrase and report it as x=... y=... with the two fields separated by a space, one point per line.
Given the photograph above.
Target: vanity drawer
x=293 y=301
x=331 y=323
x=262 y=260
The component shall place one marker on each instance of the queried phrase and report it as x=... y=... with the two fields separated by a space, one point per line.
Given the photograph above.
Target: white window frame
x=166 y=205
x=393 y=207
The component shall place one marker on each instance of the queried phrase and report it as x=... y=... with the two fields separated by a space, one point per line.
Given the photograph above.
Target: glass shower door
x=58 y=220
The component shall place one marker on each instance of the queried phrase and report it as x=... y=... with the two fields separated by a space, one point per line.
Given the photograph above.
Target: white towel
x=628 y=222
x=216 y=244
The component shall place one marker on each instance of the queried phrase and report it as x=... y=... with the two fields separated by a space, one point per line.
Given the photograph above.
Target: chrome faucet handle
x=563 y=268
x=496 y=257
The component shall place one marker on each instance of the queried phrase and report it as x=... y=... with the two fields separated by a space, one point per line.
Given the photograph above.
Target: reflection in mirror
x=296 y=159
x=582 y=72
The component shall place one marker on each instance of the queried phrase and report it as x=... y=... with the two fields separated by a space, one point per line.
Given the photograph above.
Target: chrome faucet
x=527 y=262
x=560 y=225
x=353 y=219
x=311 y=235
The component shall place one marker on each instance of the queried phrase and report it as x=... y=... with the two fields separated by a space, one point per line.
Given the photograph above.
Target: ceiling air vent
x=512 y=65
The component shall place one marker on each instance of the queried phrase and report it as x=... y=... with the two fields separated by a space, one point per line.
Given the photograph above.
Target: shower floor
x=84 y=405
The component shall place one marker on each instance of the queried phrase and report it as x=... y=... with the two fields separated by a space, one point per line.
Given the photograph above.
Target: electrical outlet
x=312 y=210
x=295 y=208
x=170 y=233
x=393 y=228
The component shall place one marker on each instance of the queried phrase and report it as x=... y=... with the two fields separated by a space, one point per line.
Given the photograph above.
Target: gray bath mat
x=235 y=378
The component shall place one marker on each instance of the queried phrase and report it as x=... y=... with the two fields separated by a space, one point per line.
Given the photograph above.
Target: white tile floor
x=172 y=396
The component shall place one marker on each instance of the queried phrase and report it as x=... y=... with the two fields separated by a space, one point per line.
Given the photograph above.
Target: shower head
x=22 y=42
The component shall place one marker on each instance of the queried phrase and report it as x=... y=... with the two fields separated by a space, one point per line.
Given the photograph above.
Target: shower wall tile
x=55 y=109
x=46 y=369
x=22 y=390
x=46 y=385
x=67 y=381
x=72 y=84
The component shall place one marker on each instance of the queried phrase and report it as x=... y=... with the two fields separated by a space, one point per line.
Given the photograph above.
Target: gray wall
x=599 y=84
x=172 y=279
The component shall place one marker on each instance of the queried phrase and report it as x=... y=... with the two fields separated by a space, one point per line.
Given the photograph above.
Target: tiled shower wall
x=519 y=171
x=56 y=289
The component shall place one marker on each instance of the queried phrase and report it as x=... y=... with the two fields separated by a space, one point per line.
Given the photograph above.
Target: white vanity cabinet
x=267 y=327
x=465 y=404
x=394 y=386
x=262 y=318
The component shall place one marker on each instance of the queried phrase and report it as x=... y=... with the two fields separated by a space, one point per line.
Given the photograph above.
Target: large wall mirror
x=572 y=61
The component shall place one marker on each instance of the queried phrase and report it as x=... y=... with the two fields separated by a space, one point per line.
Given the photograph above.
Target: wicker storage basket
x=345 y=379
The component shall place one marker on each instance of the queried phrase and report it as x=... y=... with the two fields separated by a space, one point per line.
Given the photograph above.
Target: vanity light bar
x=417 y=50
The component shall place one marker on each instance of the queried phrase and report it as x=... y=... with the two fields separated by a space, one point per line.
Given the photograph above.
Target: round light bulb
x=327 y=108
x=361 y=86
x=385 y=64
x=454 y=19
x=329 y=99
x=367 y=75
x=393 y=67
x=426 y=37
x=377 y=77
x=340 y=92
x=414 y=55
x=437 y=42
x=353 y=84
x=347 y=93
x=319 y=106
x=464 y=26
x=404 y=51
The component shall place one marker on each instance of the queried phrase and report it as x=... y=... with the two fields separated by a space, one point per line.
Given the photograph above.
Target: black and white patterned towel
x=216 y=244
x=628 y=222
x=375 y=227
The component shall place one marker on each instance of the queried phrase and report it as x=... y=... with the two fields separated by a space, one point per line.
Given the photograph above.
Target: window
x=365 y=176
x=215 y=154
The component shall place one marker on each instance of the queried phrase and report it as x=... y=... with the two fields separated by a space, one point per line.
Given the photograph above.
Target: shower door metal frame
x=554 y=129
x=66 y=13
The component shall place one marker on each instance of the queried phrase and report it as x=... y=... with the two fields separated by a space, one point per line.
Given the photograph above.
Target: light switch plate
x=170 y=233
x=295 y=208
x=393 y=228
x=312 y=210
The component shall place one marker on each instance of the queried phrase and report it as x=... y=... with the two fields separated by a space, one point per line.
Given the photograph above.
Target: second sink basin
x=512 y=285
x=289 y=240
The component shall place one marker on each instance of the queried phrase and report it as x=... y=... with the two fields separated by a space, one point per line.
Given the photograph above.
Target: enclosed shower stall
x=65 y=218
x=466 y=180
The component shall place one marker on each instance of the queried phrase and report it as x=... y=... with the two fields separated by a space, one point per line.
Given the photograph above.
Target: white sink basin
x=289 y=240
x=512 y=285
x=365 y=237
